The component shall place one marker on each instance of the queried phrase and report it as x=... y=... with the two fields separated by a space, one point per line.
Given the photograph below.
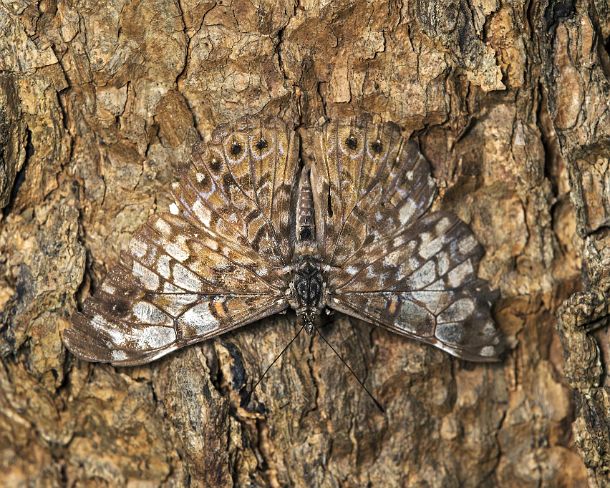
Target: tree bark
x=100 y=103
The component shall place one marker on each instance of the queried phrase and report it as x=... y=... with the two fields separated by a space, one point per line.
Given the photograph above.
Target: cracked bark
x=98 y=106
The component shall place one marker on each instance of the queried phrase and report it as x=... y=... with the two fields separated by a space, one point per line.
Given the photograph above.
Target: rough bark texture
x=100 y=102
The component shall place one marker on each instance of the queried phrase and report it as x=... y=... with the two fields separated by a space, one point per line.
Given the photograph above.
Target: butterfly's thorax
x=307 y=288
x=307 y=291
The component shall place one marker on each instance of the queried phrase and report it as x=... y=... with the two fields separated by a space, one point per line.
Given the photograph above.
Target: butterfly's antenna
x=247 y=398
x=350 y=370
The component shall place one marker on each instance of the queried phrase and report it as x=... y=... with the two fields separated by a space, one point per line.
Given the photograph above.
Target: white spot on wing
x=458 y=311
x=442 y=226
x=200 y=319
x=138 y=248
x=423 y=276
x=173 y=209
x=411 y=265
x=108 y=289
x=185 y=278
x=425 y=238
x=149 y=279
x=176 y=251
x=149 y=314
x=433 y=301
x=101 y=324
x=177 y=303
x=163 y=227
x=407 y=211
x=450 y=333
x=202 y=213
x=467 y=245
x=489 y=329
x=163 y=266
x=154 y=337
x=118 y=355
x=458 y=275
x=392 y=259
x=214 y=246
x=431 y=248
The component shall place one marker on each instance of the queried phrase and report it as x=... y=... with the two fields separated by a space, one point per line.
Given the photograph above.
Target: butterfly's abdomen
x=306 y=228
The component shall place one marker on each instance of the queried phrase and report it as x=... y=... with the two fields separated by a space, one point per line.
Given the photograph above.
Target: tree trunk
x=100 y=103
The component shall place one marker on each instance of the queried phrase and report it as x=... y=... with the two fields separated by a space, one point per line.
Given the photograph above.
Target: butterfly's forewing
x=241 y=184
x=390 y=262
x=212 y=265
x=369 y=184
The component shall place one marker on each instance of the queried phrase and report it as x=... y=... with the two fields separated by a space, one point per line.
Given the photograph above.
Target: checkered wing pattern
x=390 y=261
x=213 y=264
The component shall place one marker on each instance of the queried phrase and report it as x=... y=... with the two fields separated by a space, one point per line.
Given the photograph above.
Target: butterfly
x=263 y=222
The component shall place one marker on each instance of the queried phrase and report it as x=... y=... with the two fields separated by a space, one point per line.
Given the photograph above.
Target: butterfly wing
x=369 y=183
x=211 y=265
x=390 y=262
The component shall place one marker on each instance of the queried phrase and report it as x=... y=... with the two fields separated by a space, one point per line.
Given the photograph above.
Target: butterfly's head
x=308 y=319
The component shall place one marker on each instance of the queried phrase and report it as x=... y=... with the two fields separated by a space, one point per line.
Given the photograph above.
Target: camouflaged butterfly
x=253 y=232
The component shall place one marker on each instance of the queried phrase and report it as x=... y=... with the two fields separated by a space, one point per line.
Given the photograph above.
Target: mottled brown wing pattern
x=369 y=182
x=240 y=185
x=424 y=286
x=211 y=265
x=390 y=262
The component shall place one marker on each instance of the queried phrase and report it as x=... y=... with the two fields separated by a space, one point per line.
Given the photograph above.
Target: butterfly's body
x=252 y=233
x=306 y=289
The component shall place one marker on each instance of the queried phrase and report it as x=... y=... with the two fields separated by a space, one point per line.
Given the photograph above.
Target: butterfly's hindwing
x=145 y=327
x=424 y=285
x=457 y=321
